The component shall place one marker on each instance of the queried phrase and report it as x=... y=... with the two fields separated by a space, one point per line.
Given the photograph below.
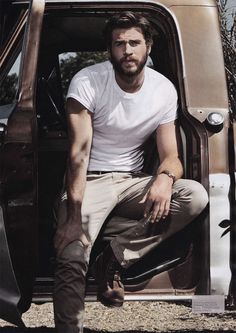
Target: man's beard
x=117 y=65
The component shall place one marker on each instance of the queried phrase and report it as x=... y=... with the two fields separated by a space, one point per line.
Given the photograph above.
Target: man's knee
x=72 y=259
x=199 y=197
x=193 y=195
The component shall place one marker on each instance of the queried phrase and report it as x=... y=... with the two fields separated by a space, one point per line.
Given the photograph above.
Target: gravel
x=134 y=317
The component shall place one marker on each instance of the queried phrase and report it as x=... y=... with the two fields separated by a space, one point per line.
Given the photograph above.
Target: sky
x=231 y=9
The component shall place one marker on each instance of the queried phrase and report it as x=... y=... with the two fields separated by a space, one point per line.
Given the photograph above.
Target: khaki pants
x=124 y=194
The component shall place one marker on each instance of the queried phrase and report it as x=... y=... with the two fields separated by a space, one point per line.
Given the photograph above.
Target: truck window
x=9 y=84
x=71 y=62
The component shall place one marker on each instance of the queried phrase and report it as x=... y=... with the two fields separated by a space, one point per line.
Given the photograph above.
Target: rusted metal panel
x=18 y=177
x=203 y=62
x=29 y=61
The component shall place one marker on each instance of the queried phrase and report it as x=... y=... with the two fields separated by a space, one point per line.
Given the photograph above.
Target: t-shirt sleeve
x=170 y=113
x=82 y=89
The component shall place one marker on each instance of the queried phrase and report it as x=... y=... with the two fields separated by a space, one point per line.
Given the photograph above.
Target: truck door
x=18 y=160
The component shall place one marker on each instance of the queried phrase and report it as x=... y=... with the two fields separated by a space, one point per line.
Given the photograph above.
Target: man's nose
x=128 y=49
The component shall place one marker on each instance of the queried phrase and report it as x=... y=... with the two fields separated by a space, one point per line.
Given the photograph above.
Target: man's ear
x=149 y=48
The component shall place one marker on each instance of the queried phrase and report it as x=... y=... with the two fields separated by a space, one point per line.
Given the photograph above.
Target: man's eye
x=134 y=43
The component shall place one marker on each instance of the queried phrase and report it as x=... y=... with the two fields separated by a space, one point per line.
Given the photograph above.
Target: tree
x=71 y=64
x=228 y=34
x=8 y=89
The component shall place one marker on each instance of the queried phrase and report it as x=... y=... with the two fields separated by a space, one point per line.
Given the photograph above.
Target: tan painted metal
x=167 y=3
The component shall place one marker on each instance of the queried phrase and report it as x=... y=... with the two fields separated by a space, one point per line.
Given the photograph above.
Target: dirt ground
x=134 y=317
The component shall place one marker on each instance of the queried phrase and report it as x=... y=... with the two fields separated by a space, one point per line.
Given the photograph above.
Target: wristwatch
x=169 y=174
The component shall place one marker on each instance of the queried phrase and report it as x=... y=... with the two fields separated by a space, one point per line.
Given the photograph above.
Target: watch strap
x=169 y=174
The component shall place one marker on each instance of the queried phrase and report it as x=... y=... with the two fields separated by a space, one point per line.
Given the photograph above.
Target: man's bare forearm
x=169 y=149
x=75 y=183
x=173 y=165
x=72 y=229
x=80 y=138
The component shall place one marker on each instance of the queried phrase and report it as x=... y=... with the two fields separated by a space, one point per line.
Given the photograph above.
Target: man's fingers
x=148 y=207
x=154 y=212
x=57 y=240
x=166 y=209
x=159 y=211
x=84 y=240
x=58 y=244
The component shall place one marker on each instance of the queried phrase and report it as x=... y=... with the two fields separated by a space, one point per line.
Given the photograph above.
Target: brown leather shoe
x=110 y=288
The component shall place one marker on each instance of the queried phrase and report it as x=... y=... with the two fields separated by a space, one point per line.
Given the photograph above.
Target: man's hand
x=158 y=198
x=67 y=233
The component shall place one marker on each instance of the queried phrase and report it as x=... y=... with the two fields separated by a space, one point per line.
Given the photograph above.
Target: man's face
x=129 y=51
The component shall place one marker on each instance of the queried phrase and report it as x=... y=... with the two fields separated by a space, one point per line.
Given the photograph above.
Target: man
x=112 y=108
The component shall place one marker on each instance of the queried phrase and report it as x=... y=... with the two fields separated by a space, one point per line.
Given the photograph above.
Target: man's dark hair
x=126 y=20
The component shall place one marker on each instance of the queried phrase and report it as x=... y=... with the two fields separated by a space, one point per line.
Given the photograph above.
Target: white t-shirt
x=122 y=121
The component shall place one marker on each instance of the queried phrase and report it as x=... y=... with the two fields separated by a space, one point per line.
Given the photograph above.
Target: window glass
x=10 y=16
x=9 y=85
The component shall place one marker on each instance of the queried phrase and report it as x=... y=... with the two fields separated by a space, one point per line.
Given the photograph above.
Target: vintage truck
x=42 y=44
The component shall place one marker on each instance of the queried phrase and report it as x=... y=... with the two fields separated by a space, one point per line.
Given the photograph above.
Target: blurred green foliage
x=8 y=89
x=71 y=64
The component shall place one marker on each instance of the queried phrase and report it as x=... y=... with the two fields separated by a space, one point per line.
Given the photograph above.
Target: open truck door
x=18 y=156
x=232 y=166
x=34 y=145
